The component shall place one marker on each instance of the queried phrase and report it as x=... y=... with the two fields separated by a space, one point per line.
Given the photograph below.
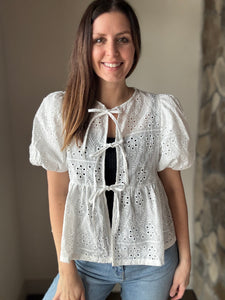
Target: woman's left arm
x=173 y=186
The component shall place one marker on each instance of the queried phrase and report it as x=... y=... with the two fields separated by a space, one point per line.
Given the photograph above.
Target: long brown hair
x=82 y=83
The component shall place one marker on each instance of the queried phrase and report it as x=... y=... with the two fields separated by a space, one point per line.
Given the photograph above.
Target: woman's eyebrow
x=120 y=33
x=124 y=32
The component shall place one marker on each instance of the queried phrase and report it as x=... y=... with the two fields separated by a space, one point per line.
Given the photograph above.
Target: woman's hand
x=180 y=280
x=70 y=286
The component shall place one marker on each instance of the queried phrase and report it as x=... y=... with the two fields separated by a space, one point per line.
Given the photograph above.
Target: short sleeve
x=176 y=147
x=47 y=135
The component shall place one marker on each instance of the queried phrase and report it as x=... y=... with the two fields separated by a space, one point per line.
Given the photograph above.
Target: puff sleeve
x=176 y=148
x=47 y=135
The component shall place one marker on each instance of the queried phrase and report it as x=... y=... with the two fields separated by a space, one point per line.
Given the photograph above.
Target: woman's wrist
x=184 y=254
x=67 y=268
x=185 y=261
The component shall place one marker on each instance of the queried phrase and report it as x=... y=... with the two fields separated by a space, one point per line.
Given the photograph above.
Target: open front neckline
x=120 y=105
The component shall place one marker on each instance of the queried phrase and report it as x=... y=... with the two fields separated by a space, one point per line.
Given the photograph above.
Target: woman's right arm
x=70 y=286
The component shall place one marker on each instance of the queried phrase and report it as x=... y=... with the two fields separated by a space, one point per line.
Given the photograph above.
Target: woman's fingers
x=177 y=292
x=82 y=297
x=180 y=281
x=70 y=288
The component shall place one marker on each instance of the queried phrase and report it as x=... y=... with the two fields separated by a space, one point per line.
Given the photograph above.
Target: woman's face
x=113 y=49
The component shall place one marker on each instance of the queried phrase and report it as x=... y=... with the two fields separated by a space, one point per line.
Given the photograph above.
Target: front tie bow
x=118 y=140
x=105 y=147
x=95 y=196
x=101 y=112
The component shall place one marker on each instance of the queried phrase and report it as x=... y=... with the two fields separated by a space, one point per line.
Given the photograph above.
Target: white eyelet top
x=151 y=135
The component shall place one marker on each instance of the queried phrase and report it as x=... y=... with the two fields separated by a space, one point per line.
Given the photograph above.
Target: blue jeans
x=137 y=282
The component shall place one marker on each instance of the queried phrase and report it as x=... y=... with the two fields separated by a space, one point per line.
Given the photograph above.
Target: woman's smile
x=112 y=65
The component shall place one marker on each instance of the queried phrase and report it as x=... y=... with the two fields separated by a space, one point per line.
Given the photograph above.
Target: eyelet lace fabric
x=151 y=135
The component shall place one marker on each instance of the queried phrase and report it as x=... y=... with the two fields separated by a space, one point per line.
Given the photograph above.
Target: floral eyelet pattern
x=151 y=135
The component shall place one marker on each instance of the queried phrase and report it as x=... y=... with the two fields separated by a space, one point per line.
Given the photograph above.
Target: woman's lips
x=112 y=65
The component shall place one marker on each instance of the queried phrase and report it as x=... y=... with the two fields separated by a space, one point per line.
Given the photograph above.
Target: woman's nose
x=112 y=49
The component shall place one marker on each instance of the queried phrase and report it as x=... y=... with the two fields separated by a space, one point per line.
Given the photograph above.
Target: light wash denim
x=137 y=282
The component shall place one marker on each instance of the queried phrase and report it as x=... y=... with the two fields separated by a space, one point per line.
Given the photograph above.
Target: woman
x=113 y=154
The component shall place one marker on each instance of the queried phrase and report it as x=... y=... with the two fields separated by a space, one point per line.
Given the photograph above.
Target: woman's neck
x=112 y=95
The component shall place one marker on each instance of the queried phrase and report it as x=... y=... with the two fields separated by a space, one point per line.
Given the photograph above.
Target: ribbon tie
x=107 y=146
x=99 y=191
x=101 y=112
x=95 y=196
x=117 y=187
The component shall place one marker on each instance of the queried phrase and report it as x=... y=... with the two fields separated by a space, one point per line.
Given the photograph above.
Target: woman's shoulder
x=53 y=99
x=166 y=101
x=51 y=104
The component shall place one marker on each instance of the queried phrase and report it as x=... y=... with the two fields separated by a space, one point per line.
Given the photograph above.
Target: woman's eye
x=123 y=40
x=98 y=41
x=101 y=40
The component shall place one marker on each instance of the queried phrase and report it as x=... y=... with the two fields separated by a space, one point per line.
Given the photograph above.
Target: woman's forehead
x=111 y=22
